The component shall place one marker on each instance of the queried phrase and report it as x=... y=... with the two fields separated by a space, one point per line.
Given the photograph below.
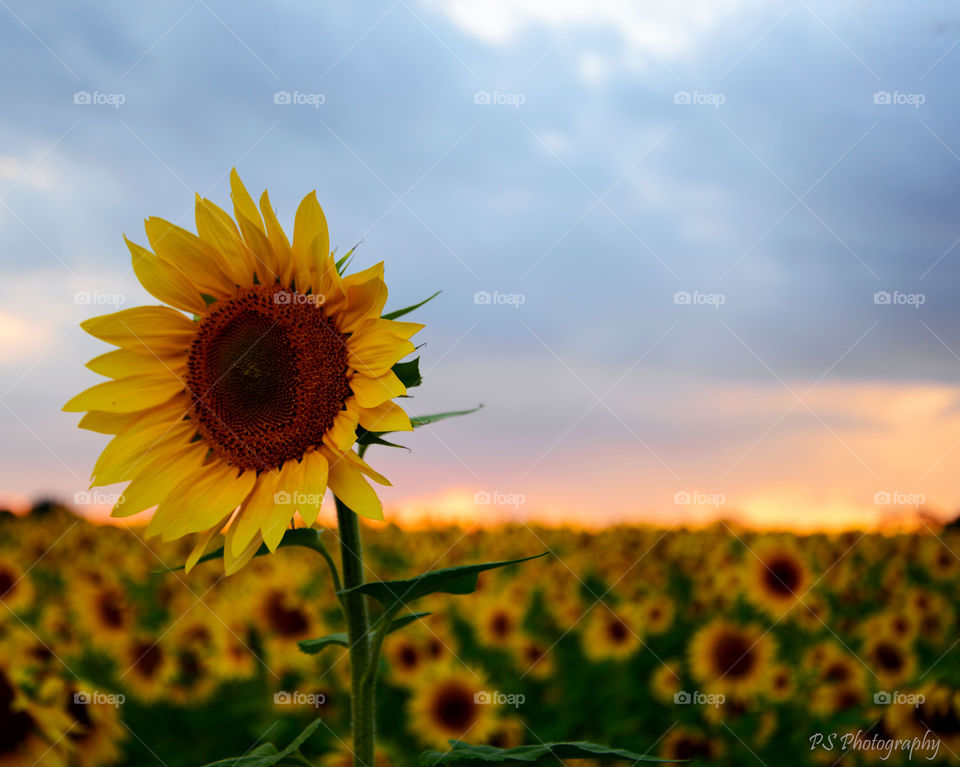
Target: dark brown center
x=267 y=375
x=454 y=708
x=782 y=576
x=733 y=656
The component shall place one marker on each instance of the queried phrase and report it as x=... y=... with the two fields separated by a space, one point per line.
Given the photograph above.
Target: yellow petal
x=311 y=238
x=157 y=329
x=278 y=241
x=157 y=478
x=255 y=511
x=218 y=230
x=106 y=423
x=314 y=476
x=265 y=265
x=126 y=453
x=204 y=497
x=373 y=355
x=365 y=301
x=371 y=392
x=201 y=545
x=288 y=495
x=243 y=204
x=125 y=395
x=231 y=563
x=386 y=417
x=190 y=255
x=125 y=362
x=164 y=281
x=364 y=467
x=348 y=484
x=343 y=433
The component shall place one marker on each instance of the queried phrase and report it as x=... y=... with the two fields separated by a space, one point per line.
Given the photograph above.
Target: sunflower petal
x=164 y=281
x=124 y=395
x=219 y=231
x=124 y=362
x=310 y=238
x=364 y=467
x=314 y=476
x=371 y=392
x=347 y=483
x=190 y=255
x=103 y=422
x=157 y=329
x=255 y=511
x=201 y=545
x=278 y=241
x=159 y=477
x=343 y=433
x=388 y=416
x=231 y=563
x=200 y=500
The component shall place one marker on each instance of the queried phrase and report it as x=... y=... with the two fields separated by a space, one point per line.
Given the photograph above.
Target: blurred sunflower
x=16 y=591
x=891 y=660
x=778 y=577
x=665 y=682
x=29 y=732
x=682 y=743
x=730 y=658
x=611 y=634
x=451 y=703
x=97 y=733
x=247 y=390
x=147 y=666
x=497 y=621
x=533 y=657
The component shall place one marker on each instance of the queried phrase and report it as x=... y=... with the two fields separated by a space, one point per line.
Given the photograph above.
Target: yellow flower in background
x=452 y=703
x=730 y=658
x=240 y=400
x=778 y=577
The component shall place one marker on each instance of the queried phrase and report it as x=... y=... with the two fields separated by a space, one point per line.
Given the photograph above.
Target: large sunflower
x=240 y=401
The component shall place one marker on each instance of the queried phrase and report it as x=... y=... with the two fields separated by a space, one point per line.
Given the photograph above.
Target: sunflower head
x=239 y=401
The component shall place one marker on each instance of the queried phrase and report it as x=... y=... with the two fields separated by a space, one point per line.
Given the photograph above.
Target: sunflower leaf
x=345 y=260
x=313 y=646
x=449 y=580
x=365 y=437
x=408 y=372
x=467 y=755
x=407 y=309
x=423 y=420
x=340 y=639
x=267 y=754
x=308 y=537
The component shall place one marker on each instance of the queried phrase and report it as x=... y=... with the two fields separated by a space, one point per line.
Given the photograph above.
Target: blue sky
x=544 y=153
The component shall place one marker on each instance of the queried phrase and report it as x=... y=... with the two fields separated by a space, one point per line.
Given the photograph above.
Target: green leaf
x=313 y=646
x=409 y=372
x=308 y=537
x=423 y=420
x=267 y=754
x=365 y=437
x=400 y=312
x=345 y=260
x=466 y=755
x=449 y=580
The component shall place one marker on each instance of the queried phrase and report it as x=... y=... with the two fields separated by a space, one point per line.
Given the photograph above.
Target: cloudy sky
x=702 y=251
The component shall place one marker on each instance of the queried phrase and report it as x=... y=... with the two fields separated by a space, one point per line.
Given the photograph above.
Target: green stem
x=358 y=631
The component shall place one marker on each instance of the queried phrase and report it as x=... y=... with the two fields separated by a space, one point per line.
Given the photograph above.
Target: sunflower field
x=720 y=646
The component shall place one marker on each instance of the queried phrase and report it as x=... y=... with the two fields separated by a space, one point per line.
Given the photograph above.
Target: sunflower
x=29 y=732
x=497 y=622
x=104 y=611
x=240 y=400
x=96 y=732
x=533 y=657
x=730 y=658
x=657 y=613
x=665 y=682
x=451 y=703
x=146 y=668
x=780 y=685
x=938 y=716
x=890 y=660
x=682 y=744
x=16 y=591
x=611 y=634
x=778 y=577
